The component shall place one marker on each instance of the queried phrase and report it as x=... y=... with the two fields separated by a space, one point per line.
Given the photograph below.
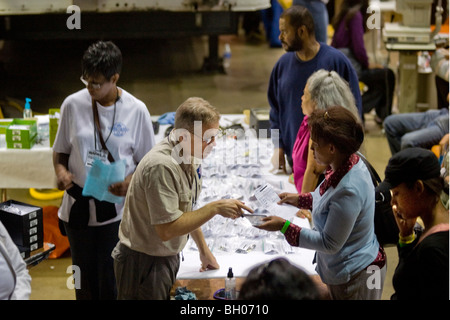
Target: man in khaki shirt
x=159 y=214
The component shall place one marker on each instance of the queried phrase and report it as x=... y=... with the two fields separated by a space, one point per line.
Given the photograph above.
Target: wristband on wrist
x=285 y=227
x=403 y=241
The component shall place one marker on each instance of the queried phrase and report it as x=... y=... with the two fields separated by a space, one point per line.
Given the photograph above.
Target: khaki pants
x=143 y=277
x=365 y=285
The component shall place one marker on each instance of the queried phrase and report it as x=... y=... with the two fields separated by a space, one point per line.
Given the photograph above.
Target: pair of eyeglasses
x=213 y=138
x=93 y=85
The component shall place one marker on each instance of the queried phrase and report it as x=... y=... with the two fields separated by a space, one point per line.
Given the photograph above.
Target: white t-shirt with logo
x=130 y=138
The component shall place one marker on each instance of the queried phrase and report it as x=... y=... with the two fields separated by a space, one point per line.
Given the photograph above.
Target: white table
x=242 y=263
x=32 y=168
x=27 y=168
x=221 y=232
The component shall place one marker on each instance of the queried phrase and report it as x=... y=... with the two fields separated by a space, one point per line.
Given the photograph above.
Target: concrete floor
x=163 y=74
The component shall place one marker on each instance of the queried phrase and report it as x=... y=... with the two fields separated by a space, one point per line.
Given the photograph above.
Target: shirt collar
x=190 y=166
x=332 y=178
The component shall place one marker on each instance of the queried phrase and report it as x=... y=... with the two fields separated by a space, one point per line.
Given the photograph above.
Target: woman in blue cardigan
x=349 y=258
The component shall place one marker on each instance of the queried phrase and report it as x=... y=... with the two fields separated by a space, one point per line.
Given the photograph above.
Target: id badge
x=96 y=154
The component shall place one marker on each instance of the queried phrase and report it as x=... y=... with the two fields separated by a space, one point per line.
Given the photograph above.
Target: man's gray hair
x=195 y=109
x=328 y=89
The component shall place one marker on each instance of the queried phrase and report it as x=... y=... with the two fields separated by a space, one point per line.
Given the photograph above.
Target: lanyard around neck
x=98 y=129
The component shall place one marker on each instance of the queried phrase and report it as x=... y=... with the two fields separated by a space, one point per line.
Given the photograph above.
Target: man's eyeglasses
x=213 y=138
x=93 y=85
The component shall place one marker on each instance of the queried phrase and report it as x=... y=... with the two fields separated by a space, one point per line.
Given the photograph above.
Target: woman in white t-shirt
x=123 y=131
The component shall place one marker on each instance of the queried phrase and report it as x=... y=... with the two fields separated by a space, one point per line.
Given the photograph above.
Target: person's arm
x=63 y=175
x=356 y=32
x=406 y=229
x=145 y=136
x=291 y=231
x=302 y=201
x=189 y=221
x=278 y=160
x=206 y=257
x=120 y=188
x=272 y=93
x=62 y=148
x=312 y=172
x=340 y=222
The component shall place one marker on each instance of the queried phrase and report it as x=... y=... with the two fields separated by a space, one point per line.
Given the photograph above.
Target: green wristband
x=285 y=227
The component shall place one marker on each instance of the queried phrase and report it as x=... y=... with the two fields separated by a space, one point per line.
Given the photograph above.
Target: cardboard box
x=54 y=115
x=4 y=124
x=24 y=223
x=21 y=134
x=24 y=252
x=27 y=144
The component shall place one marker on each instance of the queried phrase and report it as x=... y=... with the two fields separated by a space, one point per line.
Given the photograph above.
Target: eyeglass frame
x=220 y=133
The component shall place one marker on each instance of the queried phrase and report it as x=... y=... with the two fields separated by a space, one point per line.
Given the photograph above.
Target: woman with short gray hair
x=327 y=89
x=323 y=89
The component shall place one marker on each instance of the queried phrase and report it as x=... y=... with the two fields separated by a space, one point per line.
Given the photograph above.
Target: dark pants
x=271 y=19
x=381 y=84
x=91 y=249
x=442 y=93
x=143 y=277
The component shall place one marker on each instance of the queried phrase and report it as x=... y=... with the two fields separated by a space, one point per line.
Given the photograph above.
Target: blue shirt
x=343 y=234
x=287 y=81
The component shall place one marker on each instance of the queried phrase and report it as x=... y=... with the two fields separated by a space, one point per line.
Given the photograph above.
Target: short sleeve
x=165 y=199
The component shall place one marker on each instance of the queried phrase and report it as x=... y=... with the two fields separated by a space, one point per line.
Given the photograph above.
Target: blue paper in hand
x=167 y=118
x=100 y=177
